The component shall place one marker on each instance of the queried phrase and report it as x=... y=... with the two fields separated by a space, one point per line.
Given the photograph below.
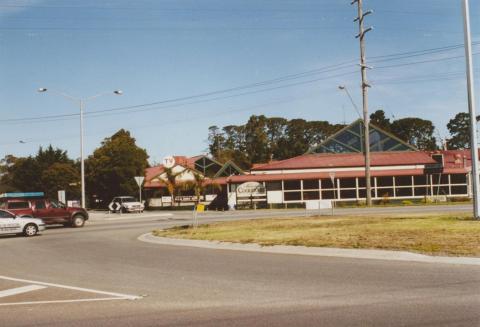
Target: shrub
x=407 y=202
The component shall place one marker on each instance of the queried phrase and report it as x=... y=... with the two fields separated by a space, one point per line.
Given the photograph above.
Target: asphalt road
x=183 y=286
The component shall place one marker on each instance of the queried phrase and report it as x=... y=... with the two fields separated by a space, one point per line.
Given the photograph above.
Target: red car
x=35 y=205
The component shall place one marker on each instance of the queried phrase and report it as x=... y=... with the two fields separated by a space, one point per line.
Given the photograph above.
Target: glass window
x=5 y=214
x=40 y=204
x=420 y=180
x=459 y=190
x=274 y=186
x=291 y=185
x=458 y=179
x=56 y=204
x=348 y=183
x=292 y=196
x=403 y=180
x=361 y=182
x=18 y=205
x=311 y=195
x=327 y=183
x=419 y=191
x=310 y=184
x=348 y=194
x=384 y=181
x=407 y=191
x=327 y=195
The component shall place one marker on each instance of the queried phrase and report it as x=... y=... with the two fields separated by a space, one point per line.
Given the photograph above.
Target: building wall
x=348 y=189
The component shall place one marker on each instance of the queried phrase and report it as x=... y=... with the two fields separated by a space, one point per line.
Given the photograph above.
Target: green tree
x=276 y=127
x=416 y=131
x=256 y=139
x=459 y=128
x=378 y=119
x=216 y=141
x=61 y=176
x=111 y=169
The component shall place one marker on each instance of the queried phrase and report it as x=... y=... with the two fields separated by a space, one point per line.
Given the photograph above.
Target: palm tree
x=170 y=181
x=199 y=185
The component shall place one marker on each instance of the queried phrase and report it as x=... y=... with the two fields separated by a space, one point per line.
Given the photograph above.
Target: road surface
x=90 y=277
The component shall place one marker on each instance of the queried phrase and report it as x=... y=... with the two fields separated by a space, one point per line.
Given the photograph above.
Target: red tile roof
x=326 y=160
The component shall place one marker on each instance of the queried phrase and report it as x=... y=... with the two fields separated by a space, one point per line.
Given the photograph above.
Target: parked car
x=126 y=204
x=12 y=224
x=50 y=211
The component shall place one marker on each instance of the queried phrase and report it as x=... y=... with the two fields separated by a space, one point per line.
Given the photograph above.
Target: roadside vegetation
x=453 y=235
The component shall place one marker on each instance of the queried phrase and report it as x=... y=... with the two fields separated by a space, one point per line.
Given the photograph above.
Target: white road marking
x=63 y=301
x=20 y=290
x=117 y=295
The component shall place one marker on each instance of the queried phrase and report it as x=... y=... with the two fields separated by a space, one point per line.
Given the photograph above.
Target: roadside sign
x=200 y=207
x=168 y=162
x=139 y=180
x=62 y=196
x=114 y=206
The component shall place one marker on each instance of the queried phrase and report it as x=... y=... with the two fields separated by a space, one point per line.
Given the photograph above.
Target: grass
x=453 y=235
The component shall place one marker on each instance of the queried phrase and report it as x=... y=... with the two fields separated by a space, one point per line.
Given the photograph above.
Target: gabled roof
x=337 y=160
x=231 y=168
x=350 y=139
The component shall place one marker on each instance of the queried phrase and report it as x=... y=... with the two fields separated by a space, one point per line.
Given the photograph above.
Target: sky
x=185 y=65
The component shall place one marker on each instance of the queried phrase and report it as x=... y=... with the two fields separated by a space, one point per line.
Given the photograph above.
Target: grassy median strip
x=454 y=235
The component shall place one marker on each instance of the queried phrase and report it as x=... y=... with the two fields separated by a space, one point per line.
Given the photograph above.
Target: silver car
x=11 y=224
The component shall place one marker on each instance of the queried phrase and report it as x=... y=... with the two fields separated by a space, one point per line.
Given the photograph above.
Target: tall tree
x=216 y=140
x=61 y=176
x=459 y=128
x=416 y=131
x=111 y=169
x=256 y=139
x=378 y=119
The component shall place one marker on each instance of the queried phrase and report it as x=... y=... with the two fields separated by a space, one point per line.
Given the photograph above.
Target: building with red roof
x=332 y=171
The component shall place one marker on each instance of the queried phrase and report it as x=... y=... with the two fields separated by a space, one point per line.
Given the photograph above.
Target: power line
x=326 y=69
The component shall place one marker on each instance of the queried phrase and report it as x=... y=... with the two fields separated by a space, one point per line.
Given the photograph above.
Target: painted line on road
x=74 y=288
x=63 y=301
x=21 y=290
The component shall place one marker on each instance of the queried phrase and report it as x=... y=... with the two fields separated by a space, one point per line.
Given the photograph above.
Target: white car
x=12 y=224
x=126 y=204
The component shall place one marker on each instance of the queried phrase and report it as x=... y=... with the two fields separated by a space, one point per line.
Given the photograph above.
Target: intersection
x=182 y=286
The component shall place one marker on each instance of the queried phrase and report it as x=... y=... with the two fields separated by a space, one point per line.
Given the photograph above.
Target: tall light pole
x=471 y=109
x=81 y=103
x=365 y=86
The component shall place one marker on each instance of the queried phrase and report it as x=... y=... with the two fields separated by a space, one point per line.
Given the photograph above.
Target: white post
x=82 y=159
x=471 y=109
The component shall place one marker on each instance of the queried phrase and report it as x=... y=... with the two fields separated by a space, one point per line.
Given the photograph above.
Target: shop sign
x=249 y=189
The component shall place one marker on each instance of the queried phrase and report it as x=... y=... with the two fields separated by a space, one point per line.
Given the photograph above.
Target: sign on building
x=251 y=189
x=168 y=162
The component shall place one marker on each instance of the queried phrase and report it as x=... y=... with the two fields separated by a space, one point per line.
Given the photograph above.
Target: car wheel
x=30 y=230
x=78 y=221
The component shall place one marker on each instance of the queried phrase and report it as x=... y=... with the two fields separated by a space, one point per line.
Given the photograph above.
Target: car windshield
x=129 y=199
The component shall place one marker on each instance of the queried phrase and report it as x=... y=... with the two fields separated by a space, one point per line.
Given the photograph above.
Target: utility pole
x=365 y=86
x=471 y=109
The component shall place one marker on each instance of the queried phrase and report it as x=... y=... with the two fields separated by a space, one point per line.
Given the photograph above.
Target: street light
x=81 y=102
x=366 y=145
x=344 y=88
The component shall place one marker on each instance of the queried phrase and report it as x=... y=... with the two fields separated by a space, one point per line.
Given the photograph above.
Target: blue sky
x=161 y=50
